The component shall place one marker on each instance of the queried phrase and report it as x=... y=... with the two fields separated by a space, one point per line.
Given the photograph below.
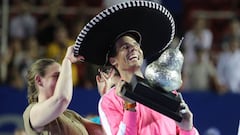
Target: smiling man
x=121 y=115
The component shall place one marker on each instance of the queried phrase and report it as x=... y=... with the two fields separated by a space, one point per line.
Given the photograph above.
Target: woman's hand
x=70 y=55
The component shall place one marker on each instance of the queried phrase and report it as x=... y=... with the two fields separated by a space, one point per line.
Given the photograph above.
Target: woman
x=50 y=88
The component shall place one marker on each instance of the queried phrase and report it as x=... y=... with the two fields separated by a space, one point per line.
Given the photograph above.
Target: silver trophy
x=165 y=72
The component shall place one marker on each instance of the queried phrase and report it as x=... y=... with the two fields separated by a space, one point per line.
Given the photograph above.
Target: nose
x=132 y=47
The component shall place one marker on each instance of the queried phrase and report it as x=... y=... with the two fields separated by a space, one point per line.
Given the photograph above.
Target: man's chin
x=135 y=64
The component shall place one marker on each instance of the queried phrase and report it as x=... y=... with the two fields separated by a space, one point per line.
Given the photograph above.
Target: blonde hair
x=38 y=67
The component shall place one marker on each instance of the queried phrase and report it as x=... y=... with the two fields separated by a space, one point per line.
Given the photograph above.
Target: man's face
x=129 y=53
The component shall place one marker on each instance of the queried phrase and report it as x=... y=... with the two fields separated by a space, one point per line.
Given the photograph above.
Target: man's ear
x=112 y=61
x=38 y=80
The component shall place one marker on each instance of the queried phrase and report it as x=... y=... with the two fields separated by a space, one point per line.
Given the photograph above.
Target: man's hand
x=119 y=87
x=187 y=121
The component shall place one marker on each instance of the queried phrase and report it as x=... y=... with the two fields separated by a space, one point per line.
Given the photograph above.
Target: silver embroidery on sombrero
x=117 y=7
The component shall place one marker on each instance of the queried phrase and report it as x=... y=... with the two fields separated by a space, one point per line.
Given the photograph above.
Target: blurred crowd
x=209 y=69
x=46 y=28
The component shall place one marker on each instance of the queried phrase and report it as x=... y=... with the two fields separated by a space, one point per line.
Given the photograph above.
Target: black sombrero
x=153 y=21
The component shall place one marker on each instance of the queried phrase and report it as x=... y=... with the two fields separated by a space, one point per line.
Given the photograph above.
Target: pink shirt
x=145 y=121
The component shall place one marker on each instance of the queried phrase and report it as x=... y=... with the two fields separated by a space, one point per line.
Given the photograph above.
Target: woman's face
x=50 y=79
x=129 y=53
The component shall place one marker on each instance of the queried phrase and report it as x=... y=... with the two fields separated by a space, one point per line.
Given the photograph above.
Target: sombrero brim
x=151 y=20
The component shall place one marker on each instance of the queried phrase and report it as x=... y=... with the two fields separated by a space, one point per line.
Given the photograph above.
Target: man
x=120 y=115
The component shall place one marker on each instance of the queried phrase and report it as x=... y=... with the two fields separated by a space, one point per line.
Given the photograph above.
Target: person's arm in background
x=51 y=108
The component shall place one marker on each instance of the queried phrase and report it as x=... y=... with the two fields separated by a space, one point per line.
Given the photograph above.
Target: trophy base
x=157 y=99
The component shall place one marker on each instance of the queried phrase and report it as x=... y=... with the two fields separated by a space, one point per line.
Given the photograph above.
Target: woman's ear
x=38 y=80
